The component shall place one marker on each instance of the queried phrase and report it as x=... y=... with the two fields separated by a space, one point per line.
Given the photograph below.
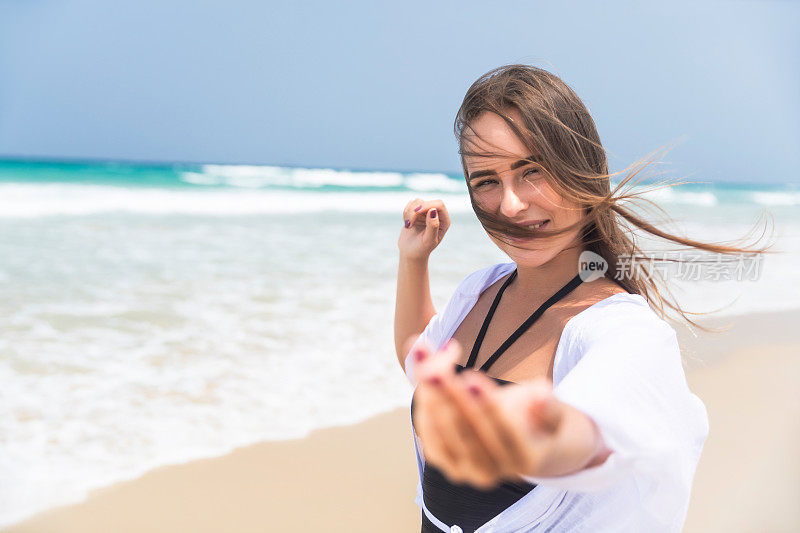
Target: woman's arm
x=413 y=306
x=575 y=442
x=628 y=387
x=425 y=224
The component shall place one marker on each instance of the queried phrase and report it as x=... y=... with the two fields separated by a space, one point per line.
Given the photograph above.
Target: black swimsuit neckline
x=561 y=293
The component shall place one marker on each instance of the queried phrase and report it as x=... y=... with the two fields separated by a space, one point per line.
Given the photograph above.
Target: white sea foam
x=783 y=198
x=199 y=178
x=249 y=176
x=670 y=196
x=27 y=200
x=434 y=182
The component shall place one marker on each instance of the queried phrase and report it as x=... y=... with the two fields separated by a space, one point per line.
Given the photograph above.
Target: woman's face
x=508 y=185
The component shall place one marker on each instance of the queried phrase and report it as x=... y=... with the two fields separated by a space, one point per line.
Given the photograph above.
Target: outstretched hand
x=481 y=433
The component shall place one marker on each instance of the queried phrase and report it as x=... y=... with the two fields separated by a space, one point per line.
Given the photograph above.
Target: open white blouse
x=620 y=364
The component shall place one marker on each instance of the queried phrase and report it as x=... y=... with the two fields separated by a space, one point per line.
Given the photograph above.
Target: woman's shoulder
x=621 y=313
x=469 y=290
x=476 y=282
x=619 y=327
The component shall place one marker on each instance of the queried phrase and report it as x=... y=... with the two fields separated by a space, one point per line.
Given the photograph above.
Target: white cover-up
x=620 y=364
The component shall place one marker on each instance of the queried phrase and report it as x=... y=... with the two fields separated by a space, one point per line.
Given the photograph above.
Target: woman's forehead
x=497 y=164
x=479 y=156
x=490 y=141
x=490 y=129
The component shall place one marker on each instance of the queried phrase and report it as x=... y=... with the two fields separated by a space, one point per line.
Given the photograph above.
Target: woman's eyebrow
x=515 y=165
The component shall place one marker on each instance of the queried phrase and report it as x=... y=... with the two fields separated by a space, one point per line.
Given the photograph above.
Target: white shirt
x=620 y=364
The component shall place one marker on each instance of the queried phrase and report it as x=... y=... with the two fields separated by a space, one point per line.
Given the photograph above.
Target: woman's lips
x=544 y=225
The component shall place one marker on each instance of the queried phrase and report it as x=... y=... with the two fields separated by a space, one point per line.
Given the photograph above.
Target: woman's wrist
x=414 y=261
x=577 y=445
x=600 y=451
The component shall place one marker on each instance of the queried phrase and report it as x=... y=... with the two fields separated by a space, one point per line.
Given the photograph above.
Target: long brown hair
x=559 y=129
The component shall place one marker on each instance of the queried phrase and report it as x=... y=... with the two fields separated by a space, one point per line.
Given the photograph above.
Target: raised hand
x=425 y=224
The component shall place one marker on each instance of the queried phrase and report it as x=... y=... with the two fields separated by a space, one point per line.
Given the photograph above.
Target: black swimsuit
x=461 y=503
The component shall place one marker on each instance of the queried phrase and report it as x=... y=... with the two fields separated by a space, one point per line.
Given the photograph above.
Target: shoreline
x=363 y=476
x=178 y=496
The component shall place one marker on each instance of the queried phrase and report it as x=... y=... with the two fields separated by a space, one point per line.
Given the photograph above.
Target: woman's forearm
x=413 y=305
x=577 y=445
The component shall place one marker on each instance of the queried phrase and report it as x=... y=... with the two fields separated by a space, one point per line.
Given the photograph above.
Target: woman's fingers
x=413 y=211
x=505 y=411
x=476 y=390
x=531 y=415
x=445 y=432
x=411 y=208
x=441 y=213
x=432 y=236
x=460 y=448
x=444 y=217
x=456 y=448
x=544 y=410
x=436 y=366
x=417 y=213
x=497 y=427
x=478 y=466
x=427 y=424
x=466 y=444
x=452 y=436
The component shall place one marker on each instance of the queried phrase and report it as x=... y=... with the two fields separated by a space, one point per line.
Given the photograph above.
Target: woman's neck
x=541 y=282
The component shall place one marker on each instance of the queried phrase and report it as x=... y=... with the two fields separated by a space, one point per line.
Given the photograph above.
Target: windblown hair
x=557 y=127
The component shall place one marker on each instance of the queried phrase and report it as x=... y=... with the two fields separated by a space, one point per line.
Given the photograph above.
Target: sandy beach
x=363 y=477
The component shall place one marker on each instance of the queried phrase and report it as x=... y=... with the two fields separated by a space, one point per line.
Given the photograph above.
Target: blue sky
x=375 y=85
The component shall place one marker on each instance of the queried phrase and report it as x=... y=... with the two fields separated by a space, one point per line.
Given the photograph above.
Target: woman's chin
x=527 y=257
x=526 y=252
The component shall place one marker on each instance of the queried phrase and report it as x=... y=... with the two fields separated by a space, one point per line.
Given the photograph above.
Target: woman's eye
x=531 y=172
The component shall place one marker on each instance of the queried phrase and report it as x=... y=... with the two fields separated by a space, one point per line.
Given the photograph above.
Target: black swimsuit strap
x=562 y=292
x=478 y=341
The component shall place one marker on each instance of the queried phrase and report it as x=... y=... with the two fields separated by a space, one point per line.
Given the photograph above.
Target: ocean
x=155 y=314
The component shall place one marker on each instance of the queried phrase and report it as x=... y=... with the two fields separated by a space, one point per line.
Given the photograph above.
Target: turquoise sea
x=153 y=314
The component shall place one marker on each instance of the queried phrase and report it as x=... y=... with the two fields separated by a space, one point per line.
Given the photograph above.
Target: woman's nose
x=512 y=204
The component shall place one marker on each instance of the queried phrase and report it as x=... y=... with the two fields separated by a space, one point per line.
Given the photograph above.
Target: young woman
x=568 y=409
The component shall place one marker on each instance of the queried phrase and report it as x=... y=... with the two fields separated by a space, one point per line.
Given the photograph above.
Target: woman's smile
x=530 y=226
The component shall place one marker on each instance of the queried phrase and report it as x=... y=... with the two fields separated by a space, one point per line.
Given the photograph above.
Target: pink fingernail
x=419 y=355
x=417 y=208
x=475 y=391
x=408 y=223
x=435 y=381
x=433 y=213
